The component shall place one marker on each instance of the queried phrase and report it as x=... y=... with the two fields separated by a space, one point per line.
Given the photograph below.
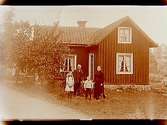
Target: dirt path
x=16 y=105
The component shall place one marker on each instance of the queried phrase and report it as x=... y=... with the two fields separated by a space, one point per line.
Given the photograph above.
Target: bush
x=37 y=50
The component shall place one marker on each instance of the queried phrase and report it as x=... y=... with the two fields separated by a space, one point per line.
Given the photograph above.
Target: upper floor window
x=124 y=35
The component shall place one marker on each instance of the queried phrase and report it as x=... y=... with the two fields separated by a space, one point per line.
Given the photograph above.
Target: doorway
x=91 y=65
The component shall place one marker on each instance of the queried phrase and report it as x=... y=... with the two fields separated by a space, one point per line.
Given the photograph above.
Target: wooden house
x=121 y=49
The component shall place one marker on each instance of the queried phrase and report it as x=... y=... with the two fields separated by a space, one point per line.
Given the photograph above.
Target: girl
x=69 y=84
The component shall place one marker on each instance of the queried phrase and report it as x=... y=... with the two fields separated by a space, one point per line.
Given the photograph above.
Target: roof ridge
x=102 y=33
x=109 y=26
x=79 y=27
x=118 y=20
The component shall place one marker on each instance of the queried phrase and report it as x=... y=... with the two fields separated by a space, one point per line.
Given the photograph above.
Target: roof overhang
x=153 y=45
x=99 y=35
x=76 y=45
x=80 y=45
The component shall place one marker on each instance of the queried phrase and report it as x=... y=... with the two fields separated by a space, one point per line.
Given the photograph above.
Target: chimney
x=81 y=24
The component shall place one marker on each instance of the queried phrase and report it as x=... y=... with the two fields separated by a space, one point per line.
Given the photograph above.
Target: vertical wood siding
x=106 y=57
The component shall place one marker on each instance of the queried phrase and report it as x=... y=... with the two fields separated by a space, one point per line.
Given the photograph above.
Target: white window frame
x=130 y=35
x=75 y=62
x=117 y=63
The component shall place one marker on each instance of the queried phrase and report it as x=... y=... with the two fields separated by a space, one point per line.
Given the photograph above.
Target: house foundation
x=133 y=87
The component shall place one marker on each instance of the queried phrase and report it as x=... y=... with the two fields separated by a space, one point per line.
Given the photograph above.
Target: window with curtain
x=124 y=64
x=69 y=63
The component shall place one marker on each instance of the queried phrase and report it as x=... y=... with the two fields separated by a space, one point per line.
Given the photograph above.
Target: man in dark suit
x=78 y=77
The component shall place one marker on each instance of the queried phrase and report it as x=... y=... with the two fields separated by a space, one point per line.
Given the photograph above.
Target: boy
x=88 y=86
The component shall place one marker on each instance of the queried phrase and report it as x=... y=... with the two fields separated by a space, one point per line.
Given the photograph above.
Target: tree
x=37 y=49
x=7 y=33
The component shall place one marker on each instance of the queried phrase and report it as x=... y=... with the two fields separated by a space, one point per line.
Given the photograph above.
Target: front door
x=91 y=65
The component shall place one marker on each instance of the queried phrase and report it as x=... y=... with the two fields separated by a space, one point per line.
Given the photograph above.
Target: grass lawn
x=126 y=104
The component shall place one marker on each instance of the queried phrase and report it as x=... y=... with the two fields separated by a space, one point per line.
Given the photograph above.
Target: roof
x=92 y=36
x=71 y=35
x=77 y=35
x=101 y=34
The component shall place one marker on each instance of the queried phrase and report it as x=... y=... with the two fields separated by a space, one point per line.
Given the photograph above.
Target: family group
x=77 y=85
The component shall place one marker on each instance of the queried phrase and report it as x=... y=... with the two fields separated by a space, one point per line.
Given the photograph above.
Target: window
x=124 y=35
x=69 y=63
x=124 y=63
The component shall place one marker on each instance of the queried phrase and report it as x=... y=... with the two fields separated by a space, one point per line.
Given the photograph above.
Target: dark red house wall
x=106 y=57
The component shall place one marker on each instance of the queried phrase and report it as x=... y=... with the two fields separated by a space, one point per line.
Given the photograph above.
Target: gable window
x=124 y=35
x=124 y=63
x=69 y=63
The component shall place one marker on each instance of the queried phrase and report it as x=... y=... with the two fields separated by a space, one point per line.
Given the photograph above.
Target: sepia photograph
x=83 y=62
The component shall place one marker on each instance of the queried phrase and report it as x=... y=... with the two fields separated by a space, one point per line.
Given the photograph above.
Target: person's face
x=88 y=78
x=79 y=67
x=98 y=68
x=70 y=74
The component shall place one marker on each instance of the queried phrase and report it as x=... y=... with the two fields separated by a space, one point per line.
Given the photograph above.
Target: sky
x=152 y=19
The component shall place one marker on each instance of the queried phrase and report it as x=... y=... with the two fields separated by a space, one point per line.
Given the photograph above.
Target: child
x=82 y=89
x=164 y=81
x=37 y=80
x=88 y=86
x=13 y=70
x=69 y=84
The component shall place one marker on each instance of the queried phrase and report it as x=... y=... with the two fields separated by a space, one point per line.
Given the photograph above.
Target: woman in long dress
x=99 y=83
